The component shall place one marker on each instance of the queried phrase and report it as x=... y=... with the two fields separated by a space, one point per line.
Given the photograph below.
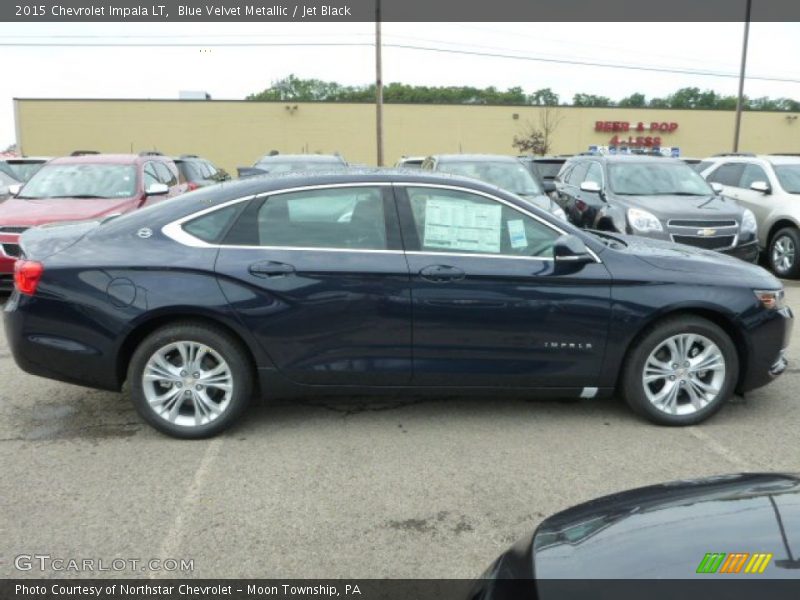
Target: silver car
x=769 y=185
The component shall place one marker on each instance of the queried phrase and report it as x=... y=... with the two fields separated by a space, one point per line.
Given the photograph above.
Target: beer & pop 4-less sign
x=649 y=133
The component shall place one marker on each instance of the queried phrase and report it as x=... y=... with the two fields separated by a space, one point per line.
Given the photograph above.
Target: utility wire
x=562 y=61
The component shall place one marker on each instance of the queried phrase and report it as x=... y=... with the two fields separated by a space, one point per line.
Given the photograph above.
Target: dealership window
x=456 y=221
x=341 y=218
x=752 y=173
x=727 y=174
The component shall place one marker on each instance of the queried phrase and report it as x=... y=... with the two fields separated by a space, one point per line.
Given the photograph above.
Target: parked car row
x=750 y=209
x=88 y=185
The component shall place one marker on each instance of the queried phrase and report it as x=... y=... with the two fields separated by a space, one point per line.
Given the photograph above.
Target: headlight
x=559 y=212
x=643 y=221
x=749 y=224
x=771 y=299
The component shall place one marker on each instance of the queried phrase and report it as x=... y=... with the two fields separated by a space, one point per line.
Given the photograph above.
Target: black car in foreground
x=704 y=538
x=656 y=197
x=374 y=281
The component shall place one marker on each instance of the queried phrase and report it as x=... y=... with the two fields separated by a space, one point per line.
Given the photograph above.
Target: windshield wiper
x=676 y=194
x=74 y=196
x=608 y=239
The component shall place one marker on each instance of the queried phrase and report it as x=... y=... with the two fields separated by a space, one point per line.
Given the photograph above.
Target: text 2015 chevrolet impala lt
x=368 y=281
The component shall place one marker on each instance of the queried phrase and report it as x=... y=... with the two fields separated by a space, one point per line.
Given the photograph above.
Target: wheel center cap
x=188 y=381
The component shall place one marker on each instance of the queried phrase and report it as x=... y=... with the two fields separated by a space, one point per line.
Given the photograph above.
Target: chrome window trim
x=174 y=229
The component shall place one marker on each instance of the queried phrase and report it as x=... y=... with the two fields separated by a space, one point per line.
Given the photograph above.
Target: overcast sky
x=231 y=72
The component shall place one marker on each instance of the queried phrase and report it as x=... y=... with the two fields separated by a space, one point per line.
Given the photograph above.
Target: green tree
x=591 y=100
x=633 y=101
x=543 y=97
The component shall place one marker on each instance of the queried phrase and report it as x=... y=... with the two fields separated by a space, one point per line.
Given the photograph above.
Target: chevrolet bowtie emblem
x=706 y=232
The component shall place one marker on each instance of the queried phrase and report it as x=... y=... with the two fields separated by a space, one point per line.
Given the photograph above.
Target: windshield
x=656 y=179
x=81 y=181
x=23 y=171
x=277 y=167
x=510 y=176
x=789 y=176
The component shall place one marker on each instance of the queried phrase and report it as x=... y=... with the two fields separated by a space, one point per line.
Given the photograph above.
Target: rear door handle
x=441 y=273
x=269 y=268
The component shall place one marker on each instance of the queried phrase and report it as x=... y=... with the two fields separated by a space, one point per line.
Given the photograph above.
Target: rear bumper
x=767 y=350
x=747 y=252
x=60 y=357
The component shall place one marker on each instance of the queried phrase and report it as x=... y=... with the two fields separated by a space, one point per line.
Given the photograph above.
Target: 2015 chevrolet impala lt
x=368 y=281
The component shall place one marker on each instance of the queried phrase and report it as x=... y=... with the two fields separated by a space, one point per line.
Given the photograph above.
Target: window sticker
x=458 y=225
x=516 y=234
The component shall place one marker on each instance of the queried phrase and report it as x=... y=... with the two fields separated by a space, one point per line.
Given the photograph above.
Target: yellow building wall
x=236 y=133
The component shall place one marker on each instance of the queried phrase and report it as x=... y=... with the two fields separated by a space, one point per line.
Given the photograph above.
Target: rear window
x=548 y=170
x=211 y=227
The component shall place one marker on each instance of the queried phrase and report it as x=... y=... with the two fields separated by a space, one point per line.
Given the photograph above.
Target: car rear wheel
x=681 y=371
x=783 y=253
x=190 y=380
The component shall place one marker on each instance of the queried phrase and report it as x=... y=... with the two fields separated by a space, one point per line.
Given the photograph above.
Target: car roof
x=628 y=158
x=116 y=159
x=775 y=159
x=474 y=158
x=331 y=158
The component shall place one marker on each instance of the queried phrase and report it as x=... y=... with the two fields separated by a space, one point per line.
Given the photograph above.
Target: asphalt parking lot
x=418 y=488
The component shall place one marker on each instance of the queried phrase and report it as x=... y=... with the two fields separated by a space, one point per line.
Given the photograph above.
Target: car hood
x=682 y=207
x=665 y=531
x=30 y=213
x=680 y=257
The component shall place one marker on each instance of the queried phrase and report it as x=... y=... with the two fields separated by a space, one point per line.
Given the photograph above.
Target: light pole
x=378 y=84
x=740 y=97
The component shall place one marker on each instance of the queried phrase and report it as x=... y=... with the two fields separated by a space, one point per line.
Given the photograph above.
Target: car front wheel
x=783 y=253
x=681 y=371
x=190 y=380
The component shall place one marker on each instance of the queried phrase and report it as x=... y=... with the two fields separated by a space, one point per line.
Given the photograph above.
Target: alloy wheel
x=783 y=254
x=187 y=383
x=684 y=374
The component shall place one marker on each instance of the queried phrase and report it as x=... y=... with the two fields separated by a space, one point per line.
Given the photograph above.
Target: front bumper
x=766 y=349
x=747 y=252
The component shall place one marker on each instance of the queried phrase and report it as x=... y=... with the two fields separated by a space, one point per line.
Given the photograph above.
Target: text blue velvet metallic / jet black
x=354 y=321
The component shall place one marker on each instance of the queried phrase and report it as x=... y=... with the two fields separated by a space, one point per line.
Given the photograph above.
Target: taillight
x=26 y=276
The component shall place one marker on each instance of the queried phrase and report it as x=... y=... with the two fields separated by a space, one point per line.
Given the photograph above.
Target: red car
x=78 y=188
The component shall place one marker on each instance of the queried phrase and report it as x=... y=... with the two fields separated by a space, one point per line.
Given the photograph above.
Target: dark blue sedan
x=367 y=281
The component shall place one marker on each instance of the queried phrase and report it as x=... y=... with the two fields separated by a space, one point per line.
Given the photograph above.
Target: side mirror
x=717 y=187
x=14 y=189
x=761 y=186
x=571 y=249
x=591 y=186
x=549 y=186
x=157 y=189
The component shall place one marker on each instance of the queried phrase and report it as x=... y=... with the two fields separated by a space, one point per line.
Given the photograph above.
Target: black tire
x=221 y=343
x=792 y=236
x=632 y=385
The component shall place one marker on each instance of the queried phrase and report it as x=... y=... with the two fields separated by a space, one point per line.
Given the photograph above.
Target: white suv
x=769 y=185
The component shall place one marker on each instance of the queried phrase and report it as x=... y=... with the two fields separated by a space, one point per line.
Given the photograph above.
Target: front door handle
x=441 y=273
x=269 y=268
